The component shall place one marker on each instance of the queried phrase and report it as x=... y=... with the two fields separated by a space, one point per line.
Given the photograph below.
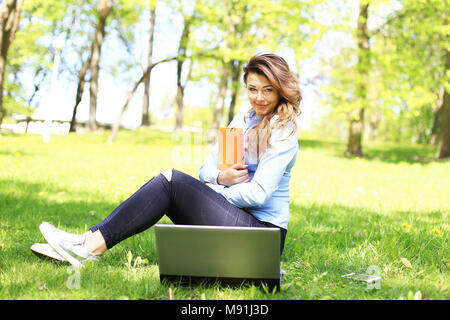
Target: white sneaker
x=68 y=245
x=43 y=250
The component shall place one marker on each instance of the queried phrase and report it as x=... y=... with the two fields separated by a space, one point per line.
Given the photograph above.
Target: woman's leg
x=139 y=212
x=184 y=199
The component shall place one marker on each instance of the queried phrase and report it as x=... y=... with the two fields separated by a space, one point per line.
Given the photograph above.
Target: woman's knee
x=167 y=174
x=174 y=176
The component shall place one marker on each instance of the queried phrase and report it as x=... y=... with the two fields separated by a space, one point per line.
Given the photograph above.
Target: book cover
x=231 y=147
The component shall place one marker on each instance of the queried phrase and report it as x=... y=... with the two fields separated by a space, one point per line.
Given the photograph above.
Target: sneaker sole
x=45 y=254
x=63 y=253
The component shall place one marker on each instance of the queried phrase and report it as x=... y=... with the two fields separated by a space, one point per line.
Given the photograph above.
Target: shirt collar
x=252 y=116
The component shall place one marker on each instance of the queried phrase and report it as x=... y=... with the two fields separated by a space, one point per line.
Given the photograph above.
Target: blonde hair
x=277 y=71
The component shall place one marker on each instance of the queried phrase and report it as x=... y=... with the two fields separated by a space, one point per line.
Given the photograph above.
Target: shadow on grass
x=396 y=154
x=389 y=153
x=322 y=144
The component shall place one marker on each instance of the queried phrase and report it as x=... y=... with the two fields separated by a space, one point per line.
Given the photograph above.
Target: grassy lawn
x=387 y=213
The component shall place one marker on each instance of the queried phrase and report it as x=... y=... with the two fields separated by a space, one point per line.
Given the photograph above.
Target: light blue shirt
x=266 y=196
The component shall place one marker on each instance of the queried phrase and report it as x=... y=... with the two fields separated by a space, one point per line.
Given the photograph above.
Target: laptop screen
x=210 y=251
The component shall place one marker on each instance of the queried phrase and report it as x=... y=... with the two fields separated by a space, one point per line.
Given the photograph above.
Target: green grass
x=347 y=215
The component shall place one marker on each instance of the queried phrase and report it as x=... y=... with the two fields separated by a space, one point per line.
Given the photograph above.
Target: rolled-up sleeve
x=208 y=171
x=273 y=164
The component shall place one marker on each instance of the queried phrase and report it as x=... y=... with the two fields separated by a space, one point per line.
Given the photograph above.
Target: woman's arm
x=208 y=171
x=270 y=170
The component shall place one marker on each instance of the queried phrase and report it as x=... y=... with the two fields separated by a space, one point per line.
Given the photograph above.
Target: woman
x=251 y=195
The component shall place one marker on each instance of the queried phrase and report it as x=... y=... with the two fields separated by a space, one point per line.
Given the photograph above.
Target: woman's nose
x=259 y=96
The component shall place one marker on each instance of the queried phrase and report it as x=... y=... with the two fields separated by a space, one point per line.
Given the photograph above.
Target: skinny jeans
x=184 y=199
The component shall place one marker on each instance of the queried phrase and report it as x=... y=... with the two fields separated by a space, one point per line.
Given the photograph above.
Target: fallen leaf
x=406 y=262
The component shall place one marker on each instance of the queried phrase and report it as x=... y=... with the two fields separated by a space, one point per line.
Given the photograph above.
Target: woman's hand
x=233 y=175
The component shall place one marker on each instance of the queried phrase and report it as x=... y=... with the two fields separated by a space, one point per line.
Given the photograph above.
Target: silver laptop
x=230 y=255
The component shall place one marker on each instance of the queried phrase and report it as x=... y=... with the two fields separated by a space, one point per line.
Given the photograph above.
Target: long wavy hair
x=277 y=71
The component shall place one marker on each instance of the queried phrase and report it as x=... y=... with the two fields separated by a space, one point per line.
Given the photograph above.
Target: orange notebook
x=231 y=147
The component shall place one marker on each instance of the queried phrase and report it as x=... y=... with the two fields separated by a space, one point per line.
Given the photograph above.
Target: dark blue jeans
x=184 y=199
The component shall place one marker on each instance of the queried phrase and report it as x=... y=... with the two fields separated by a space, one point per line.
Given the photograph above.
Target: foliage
x=32 y=53
x=406 y=70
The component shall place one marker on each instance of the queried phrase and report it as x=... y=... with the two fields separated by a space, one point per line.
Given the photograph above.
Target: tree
x=188 y=21
x=80 y=90
x=242 y=28
x=436 y=112
x=127 y=22
x=420 y=34
x=236 y=72
x=32 y=54
x=104 y=9
x=363 y=68
x=444 y=142
x=130 y=95
x=9 y=22
x=146 y=99
x=389 y=73
x=220 y=100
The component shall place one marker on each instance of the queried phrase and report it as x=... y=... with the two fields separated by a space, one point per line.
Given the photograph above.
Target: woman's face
x=262 y=95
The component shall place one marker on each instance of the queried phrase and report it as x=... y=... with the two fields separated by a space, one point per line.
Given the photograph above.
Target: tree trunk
x=355 y=135
x=354 y=147
x=146 y=102
x=436 y=113
x=220 y=103
x=37 y=85
x=9 y=22
x=375 y=124
x=444 y=141
x=235 y=86
x=104 y=9
x=180 y=60
x=179 y=112
x=80 y=90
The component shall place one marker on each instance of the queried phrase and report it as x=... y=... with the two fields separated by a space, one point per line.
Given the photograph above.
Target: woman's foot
x=68 y=245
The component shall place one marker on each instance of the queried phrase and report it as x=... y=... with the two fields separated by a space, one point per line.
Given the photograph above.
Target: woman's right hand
x=238 y=173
